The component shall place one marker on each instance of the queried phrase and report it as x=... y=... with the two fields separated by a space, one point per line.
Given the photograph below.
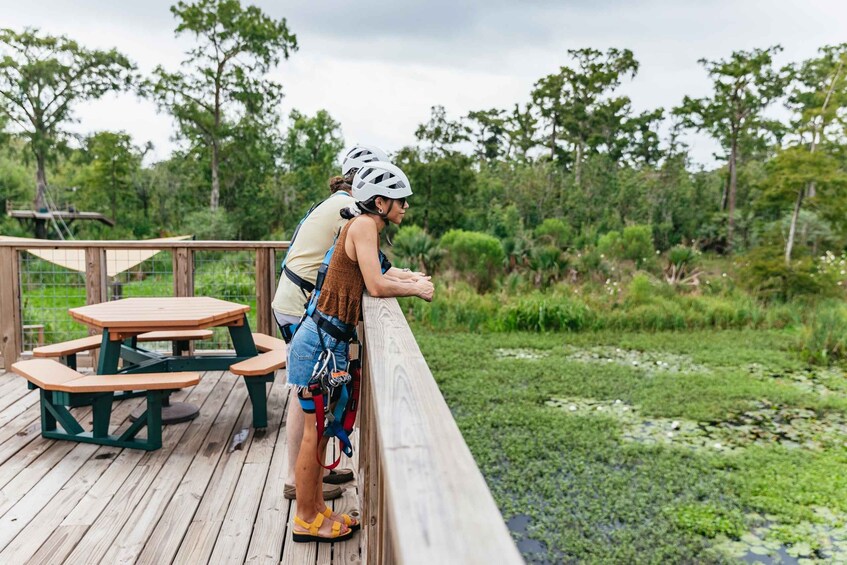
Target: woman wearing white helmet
x=380 y=191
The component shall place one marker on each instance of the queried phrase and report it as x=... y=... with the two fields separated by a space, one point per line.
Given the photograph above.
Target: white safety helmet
x=357 y=156
x=380 y=178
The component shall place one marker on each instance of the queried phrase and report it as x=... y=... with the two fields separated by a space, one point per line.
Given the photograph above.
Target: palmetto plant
x=682 y=266
x=417 y=249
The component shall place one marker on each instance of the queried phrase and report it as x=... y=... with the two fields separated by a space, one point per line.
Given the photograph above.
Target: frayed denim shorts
x=305 y=348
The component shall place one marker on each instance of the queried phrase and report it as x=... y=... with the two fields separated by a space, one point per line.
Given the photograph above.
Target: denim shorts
x=305 y=348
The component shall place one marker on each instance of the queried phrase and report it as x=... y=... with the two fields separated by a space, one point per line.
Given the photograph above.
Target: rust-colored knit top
x=341 y=294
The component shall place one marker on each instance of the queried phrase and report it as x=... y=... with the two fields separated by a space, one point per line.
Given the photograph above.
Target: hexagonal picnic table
x=121 y=321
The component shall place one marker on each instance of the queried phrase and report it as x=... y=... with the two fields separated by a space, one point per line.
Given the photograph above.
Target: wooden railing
x=11 y=332
x=424 y=499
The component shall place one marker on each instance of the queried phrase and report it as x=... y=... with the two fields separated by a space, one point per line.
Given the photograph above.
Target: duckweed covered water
x=701 y=447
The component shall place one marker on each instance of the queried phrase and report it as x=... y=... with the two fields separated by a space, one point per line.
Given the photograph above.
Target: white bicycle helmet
x=359 y=155
x=380 y=178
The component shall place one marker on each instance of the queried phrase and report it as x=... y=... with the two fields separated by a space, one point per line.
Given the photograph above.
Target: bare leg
x=293 y=432
x=307 y=475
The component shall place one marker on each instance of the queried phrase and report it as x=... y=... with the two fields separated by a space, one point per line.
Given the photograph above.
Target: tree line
x=574 y=150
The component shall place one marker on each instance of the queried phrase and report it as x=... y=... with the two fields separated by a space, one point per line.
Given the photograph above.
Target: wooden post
x=95 y=275
x=265 y=288
x=183 y=267
x=10 y=307
x=96 y=289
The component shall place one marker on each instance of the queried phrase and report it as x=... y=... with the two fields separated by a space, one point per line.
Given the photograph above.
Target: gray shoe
x=331 y=492
x=338 y=476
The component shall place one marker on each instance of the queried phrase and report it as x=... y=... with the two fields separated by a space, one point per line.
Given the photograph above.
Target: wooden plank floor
x=192 y=501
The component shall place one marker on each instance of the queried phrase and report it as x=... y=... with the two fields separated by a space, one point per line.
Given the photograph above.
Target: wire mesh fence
x=47 y=291
x=228 y=275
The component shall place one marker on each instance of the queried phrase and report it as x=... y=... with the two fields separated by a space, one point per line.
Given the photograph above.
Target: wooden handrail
x=425 y=500
x=132 y=244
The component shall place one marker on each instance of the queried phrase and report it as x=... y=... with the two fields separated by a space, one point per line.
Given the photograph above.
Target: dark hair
x=368 y=207
x=339 y=183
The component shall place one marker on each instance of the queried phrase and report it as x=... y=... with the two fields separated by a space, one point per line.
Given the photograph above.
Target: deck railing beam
x=433 y=504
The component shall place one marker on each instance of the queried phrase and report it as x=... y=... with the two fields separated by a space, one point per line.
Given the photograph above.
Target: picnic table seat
x=257 y=371
x=61 y=387
x=265 y=342
x=67 y=350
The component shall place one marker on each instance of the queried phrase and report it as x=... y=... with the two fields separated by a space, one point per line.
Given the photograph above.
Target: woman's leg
x=293 y=433
x=308 y=476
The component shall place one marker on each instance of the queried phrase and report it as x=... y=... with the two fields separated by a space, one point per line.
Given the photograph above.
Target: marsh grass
x=592 y=496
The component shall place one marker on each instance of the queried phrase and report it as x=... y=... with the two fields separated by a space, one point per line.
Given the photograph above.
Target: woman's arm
x=362 y=245
x=404 y=274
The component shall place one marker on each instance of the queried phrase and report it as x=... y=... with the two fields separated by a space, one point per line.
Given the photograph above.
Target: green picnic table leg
x=242 y=340
x=101 y=408
x=48 y=421
x=110 y=354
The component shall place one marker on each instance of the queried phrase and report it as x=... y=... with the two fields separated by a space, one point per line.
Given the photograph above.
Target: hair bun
x=339 y=183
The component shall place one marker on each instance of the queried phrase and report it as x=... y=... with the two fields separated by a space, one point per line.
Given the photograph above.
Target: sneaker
x=338 y=476
x=331 y=492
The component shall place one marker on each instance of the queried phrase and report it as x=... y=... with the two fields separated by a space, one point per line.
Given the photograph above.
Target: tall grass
x=824 y=339
x=644 y=307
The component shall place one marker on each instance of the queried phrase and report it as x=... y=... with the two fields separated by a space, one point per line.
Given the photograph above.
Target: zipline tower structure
x=46 y=215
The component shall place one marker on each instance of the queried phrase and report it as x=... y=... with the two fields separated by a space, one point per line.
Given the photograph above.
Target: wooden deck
x=192 y=501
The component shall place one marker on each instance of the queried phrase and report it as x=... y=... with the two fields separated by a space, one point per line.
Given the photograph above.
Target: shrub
x=554 y=231
x=766 y=275
x=476 y=255
x=641 y=290
x=225 y=281
x=637 y=244
x=548 y=264
x=634 y=244
x=415 y=248
x=682 y=265
x=610 y=244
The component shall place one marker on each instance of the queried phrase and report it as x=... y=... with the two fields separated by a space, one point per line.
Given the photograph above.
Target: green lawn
x=654 y=448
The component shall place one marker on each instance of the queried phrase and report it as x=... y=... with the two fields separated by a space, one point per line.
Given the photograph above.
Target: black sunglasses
x=402 y=201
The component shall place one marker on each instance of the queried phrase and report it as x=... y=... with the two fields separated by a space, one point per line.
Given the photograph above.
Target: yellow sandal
x=349 y=521
x=313 y=528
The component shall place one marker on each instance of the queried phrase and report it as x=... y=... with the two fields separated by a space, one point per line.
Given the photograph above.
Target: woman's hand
x=425 y=289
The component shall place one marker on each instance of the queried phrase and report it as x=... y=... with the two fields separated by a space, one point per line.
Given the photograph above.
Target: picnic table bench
x=67 y=350
x=61 y=387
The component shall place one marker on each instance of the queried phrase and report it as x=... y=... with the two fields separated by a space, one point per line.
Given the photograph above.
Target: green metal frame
x=55 y=414
x=143 y=361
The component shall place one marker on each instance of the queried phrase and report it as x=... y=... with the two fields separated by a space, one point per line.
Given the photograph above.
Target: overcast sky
x=378 y=67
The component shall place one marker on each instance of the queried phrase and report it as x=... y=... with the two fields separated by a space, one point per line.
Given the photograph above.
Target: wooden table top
x=160 y=313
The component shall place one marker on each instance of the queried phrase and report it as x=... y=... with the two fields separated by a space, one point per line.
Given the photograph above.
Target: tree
x=309 y=149
x=789 y=176
x=578 y=109
x=439 y=135
x=111 y=165
x=222 y=80
x=819 y=94
x=490 y=134
x=41 y=77
x=521 y=129
x=743 y=87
